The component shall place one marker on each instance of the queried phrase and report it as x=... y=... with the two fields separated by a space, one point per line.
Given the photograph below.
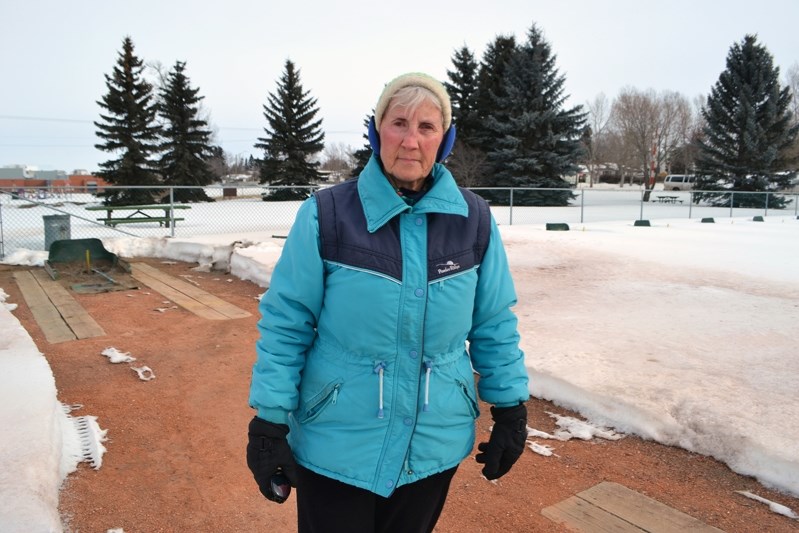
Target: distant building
x=18 y=177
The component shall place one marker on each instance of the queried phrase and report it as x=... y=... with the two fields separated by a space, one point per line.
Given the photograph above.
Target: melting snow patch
x=572 y=428
x=115 y=356
x=3 y=297
x=91 y=437
x=774 y=506
x=541 y=449
x=144 y=372
x=532 y=432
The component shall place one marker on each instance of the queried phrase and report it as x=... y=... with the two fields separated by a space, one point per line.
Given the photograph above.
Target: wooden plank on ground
x=227 y=309
x=76 y=317
x=613 y=507
x=649 y=514
x=186 y=295
x=175 y=295
x=44 y=312
x=576 y=513
x=58 y=314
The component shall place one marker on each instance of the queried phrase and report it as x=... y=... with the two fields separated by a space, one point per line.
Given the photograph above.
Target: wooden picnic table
x=138 y=213
x=667 y=199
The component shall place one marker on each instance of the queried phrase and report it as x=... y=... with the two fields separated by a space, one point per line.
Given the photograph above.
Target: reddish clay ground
x=175 y=457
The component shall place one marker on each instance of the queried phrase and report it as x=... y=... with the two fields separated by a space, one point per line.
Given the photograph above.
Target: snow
x=683 y=333
x=774 y=506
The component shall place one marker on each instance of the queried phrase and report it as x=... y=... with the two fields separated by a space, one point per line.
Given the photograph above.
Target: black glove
x=270 y=459
x=506 y=443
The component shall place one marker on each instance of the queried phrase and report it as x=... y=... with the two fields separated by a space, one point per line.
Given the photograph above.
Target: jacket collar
x=381 y=203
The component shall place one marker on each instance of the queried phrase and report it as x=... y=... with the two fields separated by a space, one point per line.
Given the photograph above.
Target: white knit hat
x=414 y=79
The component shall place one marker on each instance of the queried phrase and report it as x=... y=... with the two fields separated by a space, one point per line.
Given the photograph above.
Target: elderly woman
x=364 y=382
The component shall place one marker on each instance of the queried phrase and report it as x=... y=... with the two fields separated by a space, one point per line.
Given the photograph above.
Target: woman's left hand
x=506 y=443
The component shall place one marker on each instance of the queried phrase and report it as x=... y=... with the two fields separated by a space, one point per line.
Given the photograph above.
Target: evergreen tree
x=362 y=155
x=466 y=160
x=462 y=89
x=492 y=72
x=186 y=145
x=292 y=137
x=129 y=130
x=748 y=131
x=536 y=140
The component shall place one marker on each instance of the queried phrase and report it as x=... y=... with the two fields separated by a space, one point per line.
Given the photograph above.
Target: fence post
x=510 y=214
x=582 y=204
x=690 y=203
x=641 y=215
x=765 y=213
x=2 y=239
x=172 y=211
x=732 y=201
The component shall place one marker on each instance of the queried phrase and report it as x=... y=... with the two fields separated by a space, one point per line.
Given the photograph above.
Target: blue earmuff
x=443 y=151
x=446 y=144
x=374 y=138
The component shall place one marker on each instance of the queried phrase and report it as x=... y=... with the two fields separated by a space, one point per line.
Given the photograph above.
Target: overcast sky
x=54 y=55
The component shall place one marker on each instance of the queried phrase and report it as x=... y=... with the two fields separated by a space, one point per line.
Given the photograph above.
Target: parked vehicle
x=678 y=182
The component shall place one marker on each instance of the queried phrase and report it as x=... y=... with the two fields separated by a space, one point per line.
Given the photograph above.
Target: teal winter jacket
x=373 y=368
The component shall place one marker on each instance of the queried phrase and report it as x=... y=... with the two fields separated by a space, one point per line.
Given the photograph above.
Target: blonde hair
x=411 y=97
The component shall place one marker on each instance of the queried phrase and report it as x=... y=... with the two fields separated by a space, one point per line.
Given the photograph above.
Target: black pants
x=325 y=505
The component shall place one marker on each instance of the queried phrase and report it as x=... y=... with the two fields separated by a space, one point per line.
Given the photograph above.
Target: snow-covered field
x=683 y=332
x=23 y=226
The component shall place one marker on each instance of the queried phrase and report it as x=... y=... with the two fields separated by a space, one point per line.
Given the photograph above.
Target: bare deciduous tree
x=467 y=164
x=675 y=126
x=635 y=117
x=652 y=126
x=338 y=158
x=689 y=130
x=792 y=81
x=598 y=118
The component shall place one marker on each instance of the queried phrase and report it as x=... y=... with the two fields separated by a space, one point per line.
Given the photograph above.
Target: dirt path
x=175 y=451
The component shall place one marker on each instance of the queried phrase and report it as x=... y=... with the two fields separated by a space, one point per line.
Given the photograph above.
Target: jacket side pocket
x=314 y=406
x=467 y=396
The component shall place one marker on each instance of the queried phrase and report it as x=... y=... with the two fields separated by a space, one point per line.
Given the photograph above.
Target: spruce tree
x=186 y=145
x=292 y=137
x=490 y=76
x=462 y=89
x=363 y=154
x=536 y=140
x=466 y=160
x=748 y=132
x=129 y=130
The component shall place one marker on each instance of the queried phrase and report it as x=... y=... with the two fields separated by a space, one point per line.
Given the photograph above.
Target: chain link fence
x=32 y=218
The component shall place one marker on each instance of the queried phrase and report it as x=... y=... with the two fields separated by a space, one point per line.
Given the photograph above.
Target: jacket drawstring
x=379 y=367
x=428 y=368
